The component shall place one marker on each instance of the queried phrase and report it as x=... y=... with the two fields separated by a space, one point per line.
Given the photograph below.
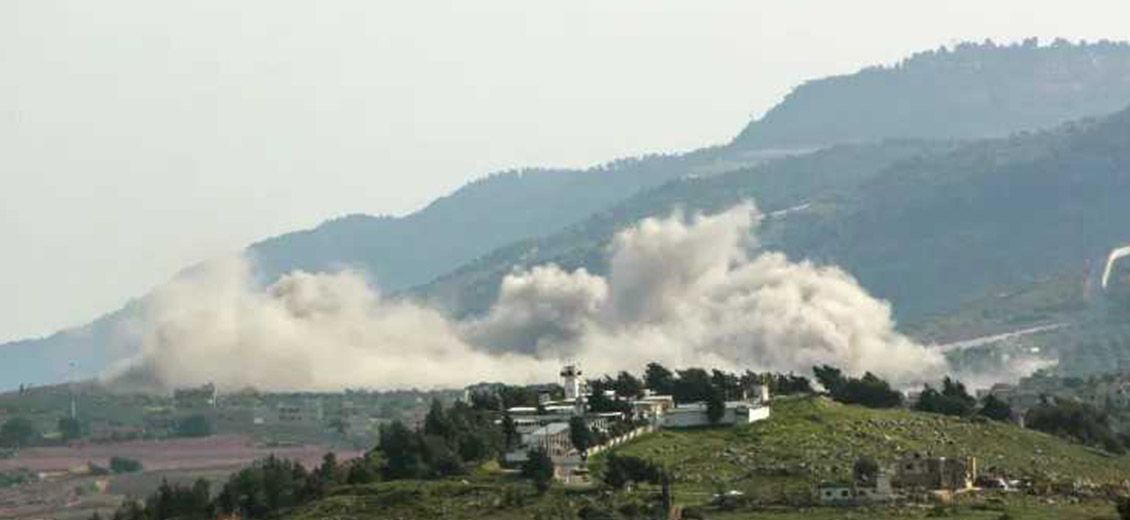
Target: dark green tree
x=955 y=391
x=1122 y=505
x=729 y=384
x=952 y=400
x=869 y=390
x=401 y=450
x=580 y=434
x=124 y=465
x=628 y=385
x=196 y=425
x=1075 y=421
x=692 y=385
x=364 y=470
x=180 y=501
x=539 y=469
x=715 y=404
x=325 y=476
x=620 y=470
x=485 y=401
x=70 y=428
x=265 y=488
x=439 y=457
x=510 y=432
x=829 y=377
x=659 y=379
x=436 y=422
x=995 y=409
x=865 y=470
x=17 y=432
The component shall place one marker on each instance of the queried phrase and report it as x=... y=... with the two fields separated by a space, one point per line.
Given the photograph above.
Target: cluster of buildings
x=914 y=474
x=354 y=412
x=1108 y=392
x=548 y=425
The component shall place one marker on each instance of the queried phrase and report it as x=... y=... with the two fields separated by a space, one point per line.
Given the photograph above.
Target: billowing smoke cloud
x=679 y=291
x=1114 y=257
x=306 y=331
x=685 y=293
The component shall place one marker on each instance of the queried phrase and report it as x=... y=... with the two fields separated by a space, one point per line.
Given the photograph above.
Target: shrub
x=194 y=426
x=124 y=465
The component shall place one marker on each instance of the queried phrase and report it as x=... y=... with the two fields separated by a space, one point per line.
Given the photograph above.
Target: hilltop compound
x=547 y=426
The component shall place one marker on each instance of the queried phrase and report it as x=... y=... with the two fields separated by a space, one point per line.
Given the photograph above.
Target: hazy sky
x=139 y=137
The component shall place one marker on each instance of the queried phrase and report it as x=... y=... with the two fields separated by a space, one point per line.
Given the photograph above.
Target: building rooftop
x=551 y=429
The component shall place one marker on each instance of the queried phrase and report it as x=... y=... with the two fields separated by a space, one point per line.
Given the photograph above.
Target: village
x=201 y=424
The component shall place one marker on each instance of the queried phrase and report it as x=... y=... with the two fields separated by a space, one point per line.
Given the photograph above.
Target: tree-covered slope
x=925 y=226
x=778 y=187
x=402 y=252
x=969 y=91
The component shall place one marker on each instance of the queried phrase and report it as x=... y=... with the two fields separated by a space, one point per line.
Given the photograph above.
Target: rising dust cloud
x=681 y=291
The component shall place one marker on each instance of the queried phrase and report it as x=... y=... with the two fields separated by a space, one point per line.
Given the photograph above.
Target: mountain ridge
x=478 y=220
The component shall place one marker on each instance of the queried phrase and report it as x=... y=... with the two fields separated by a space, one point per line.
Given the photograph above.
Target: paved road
x=986 y=340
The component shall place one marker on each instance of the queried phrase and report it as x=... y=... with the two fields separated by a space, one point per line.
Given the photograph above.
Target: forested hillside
x=925 y=226
x=969 y=91
x=402 y=252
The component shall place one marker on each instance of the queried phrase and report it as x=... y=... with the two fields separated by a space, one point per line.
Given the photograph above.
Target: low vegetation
x=124 y=465
x=813 y=439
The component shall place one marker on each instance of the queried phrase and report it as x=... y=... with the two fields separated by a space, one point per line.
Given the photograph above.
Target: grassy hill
x=776 y=463
x=808 y=440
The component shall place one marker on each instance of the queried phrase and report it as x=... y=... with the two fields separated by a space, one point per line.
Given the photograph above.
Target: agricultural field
x=69 y=490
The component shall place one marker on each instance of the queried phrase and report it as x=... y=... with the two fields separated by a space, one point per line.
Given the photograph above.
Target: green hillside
x=776 y=464
x=927 y=229
x=778 y=185
x=967 y=91
x=808 y=440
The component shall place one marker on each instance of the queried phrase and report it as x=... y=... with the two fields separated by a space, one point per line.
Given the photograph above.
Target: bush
x=124 y=465
x=194 y=426
x=17 y=432
x=952 y=400
x=1122 y=505
x=1075 y=421
x=995 y=409
x=620 y=470
x=70 y=428
x=869 y=390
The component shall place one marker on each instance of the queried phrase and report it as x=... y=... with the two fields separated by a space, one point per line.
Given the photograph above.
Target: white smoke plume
x=680 y=291
x=305 y=332
x=1114 y=257
x=687 y=293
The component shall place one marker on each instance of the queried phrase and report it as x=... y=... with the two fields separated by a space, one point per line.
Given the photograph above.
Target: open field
x=77 y=496
x=513 y=499
x=208 y=452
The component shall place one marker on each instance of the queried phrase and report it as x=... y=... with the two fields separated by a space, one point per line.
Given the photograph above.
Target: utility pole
x=74 y=401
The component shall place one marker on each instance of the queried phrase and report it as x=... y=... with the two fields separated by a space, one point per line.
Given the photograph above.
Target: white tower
x=571 y=374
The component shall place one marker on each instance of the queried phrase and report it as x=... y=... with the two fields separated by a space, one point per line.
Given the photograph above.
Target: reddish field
x=219 y=451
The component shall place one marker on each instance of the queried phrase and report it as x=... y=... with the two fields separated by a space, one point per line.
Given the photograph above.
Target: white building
x=574 y=385
x=694 y=414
